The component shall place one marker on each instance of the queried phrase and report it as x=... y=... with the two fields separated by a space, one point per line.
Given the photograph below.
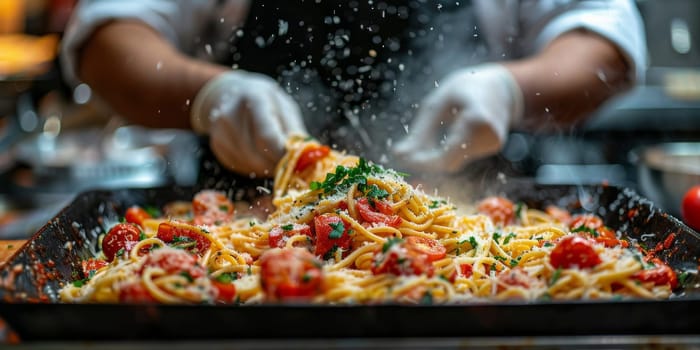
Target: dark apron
x=357 y=70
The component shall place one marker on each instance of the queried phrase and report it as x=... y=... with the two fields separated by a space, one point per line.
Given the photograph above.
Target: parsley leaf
x=142 y=236
x=227 y=277
x=682 y=278
x=496 y=236
x=473 y=242
x=153 y=211
x=338 y=229
x=508 y=238
x=187 y=276
x=389 y=242
x=331 y=253
x=518 y=209
x=584 y=228
x=287 y=227
x=436 y=203
x=375 y=192
x=555 y=276
x=223 y=207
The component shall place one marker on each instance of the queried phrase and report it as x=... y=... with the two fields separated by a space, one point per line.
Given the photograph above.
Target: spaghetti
x=347 y=231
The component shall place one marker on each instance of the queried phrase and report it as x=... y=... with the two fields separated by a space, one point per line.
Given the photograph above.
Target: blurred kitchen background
x=57 y=141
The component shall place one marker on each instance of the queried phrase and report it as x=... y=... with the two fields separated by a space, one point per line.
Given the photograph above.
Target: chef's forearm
x=141 y=75
x=570 y=78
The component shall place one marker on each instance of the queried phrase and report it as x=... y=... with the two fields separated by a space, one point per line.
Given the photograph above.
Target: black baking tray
x=32 y=277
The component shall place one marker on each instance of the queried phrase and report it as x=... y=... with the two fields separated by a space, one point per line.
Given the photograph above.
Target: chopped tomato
x=226 y=292
x=136 y=215
x=331 y=233
x=660 y=275
x=290 y=273
x=277 y=237
x=431 y=248
x=499 y=209
x=135 y=293
x=179 y=234
x=173 y=262
x=586 y=220
x=310 y=156
x=394 y=258
x=377 y=212
x=591 y=226
x=608 y=237
x=121 y=236
x=559 y=214
x=465 y=271
x=211 y=208
x=90 y=265
x=515 y=277
x=574 y=251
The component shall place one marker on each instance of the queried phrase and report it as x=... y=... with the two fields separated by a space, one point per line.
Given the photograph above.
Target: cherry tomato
x=136 y=215
x=572 y=251
x=331 y=231
x=90 y=265
x=586 y=220
x=211 y=208
x=182 y=234
x=558 y=214
x=310 y=156
x=464 y=269
x=226 y=292
x=660 y=275
x=690 y=207
x=277 y=237
x=290 y=273
x=380 y=213
x=135 y=293
x=431 y=248
x=121 y=236
x=515 y=277
x=499 y=209
x=608 y=237
x=173 y=262
x=396 y=259
x=591 y=226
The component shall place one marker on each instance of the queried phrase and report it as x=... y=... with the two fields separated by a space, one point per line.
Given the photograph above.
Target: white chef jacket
x=512 y=28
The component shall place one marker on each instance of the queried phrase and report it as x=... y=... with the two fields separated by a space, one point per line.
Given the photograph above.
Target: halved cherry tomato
x=660 y=275
x=290 y=273
x=432 y=249
x=515 y=277
x=380 y=213
x=121 y=236
x=572 y=251
x=135 y=293
x=397 y=260
x=211 y=208
x=559 y=214
x=226 y=292
x=690 y=207
x=277 y=237
x=591 y=226
x=464 y=269
x=586 y=220
x=182 y=234
x=173 y=262
x=136 y=215
x=331 y=231
x=499 y=209
x=90 y=265
x=311 y=155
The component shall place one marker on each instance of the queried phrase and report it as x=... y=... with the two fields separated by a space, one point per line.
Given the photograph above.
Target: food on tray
x=347 y=231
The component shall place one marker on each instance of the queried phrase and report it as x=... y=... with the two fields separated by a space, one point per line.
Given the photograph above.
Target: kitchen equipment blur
x=666 y=171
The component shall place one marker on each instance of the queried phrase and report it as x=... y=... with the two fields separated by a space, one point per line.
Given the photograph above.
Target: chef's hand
x=248 y=118
x=467 y=117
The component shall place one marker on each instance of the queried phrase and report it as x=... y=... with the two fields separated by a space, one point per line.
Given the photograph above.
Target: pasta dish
x=347 y=231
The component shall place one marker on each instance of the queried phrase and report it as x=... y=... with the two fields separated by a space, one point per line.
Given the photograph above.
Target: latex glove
x=249 y=118
x=467 y=117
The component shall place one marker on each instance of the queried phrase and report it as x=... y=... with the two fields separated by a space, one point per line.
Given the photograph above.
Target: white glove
x=467 y=117
x=248 y=118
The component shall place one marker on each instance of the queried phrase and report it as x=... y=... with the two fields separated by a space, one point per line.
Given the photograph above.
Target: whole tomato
x=690 y=207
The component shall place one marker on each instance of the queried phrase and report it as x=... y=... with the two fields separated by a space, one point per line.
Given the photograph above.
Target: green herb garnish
x=496 y=236
x=390 y=242
x=473 y=242
x=153 y=211
x=227 y=277
x=338 y=229
x=377 y=193
x=508 y=238
x=555 y=276
x=288 y=227
x=584 y=228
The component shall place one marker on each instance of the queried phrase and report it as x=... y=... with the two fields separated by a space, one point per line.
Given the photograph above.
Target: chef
x=425 y=85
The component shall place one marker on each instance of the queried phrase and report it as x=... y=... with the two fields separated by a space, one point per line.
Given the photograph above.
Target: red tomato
x=499 y=209
x=291 y=273
x=466 y=270
x=226 y=292
x=136 y=215
x=310 y=156
x=515 y=277
x=586 y=220
x=431 y=248
x=608 y=237
x=135 y=293
x=121 y=236
x=277 y=237
x=211 y=208
x=380 y=213
x=660 y=275
x=173 y=262
x=178 y=233
x=92 y=265
x=690 y=208
x=574 y=251
x=331 y=231
x=558 y=214
x=397 y=260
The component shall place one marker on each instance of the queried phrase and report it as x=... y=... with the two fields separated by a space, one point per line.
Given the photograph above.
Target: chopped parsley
x=496 y=236
x=251 y=223
x=500 y=258
x=436 y=203
x=223 y=207
x=555 y=276
x=515 y=262
x=584 y=228
x=120 y=252
x=518 y=209
x=548 y=244
x=306 y=278
x=153 y=211
x=287 y=227
x=508 y=238
x=331 y=253
x=473 y=242
x=187 y=276
x=338 y=229
x=390 y=242
x=142 y=236
x=682 y=278
x=374 y=192
x=344 y=177
x=80 y=283
x=227 y=277
x=250 y=270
